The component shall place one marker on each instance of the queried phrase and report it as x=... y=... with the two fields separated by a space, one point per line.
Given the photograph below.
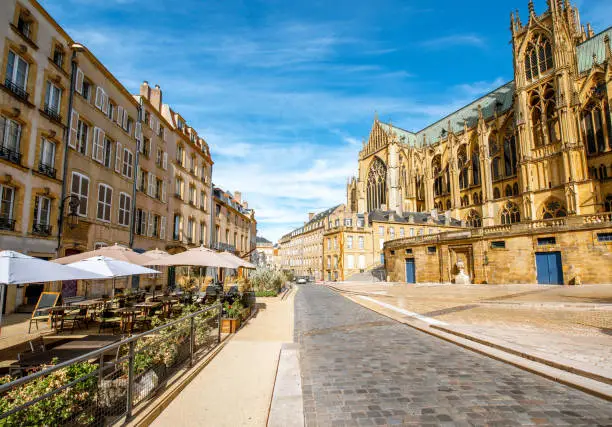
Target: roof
x=318 y=217
x=418 y=217
x=593 y=46
x=260 y=239
x=405 y=136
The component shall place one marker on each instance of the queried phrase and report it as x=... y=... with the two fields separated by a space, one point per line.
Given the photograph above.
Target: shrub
x=234 y=310
x=266 y=293
x=267 y=280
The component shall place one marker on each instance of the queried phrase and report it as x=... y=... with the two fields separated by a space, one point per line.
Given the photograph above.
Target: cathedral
x=537 y=149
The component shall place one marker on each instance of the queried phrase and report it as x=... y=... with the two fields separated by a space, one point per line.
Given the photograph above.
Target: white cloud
x=454 y=40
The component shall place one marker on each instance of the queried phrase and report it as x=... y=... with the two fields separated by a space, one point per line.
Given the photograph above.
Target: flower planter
x=229 y=326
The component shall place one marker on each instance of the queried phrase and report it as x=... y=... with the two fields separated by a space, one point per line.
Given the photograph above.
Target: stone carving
x=461 y=278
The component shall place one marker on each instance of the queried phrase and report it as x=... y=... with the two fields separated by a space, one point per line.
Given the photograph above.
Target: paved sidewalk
x=570 y=326
x=235 y=389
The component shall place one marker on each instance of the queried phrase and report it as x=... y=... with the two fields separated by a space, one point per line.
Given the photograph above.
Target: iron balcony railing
x=16 y=89
x=53 y=113
x=7 y=224
x=41 y=229
x=10 y=155
x=47 y=170
x=224 y=247
x=102 y=388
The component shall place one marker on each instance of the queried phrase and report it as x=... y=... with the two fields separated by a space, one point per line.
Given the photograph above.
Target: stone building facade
x=539 y=148
x=235 y=225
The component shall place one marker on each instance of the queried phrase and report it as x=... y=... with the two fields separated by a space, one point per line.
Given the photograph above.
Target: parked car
x=301 y=281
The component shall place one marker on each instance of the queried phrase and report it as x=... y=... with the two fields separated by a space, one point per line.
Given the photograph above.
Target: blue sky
x=285 y=91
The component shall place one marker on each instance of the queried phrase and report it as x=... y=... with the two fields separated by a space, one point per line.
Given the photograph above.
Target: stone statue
x=461 y=278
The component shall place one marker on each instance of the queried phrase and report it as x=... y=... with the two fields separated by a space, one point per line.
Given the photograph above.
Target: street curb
x=150 y=413
x=557 y=365
x=574 y=380
x=287 y=406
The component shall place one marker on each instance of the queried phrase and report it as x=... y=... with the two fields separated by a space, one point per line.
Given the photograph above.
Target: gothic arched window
x=552 y=118
x=608 y=203
x=377 y=185
x=496 y=193
x=553 y=209
x=476 y=198
x=495 y=154
x=464 y=166
x=473 y=219
x=515 y=189
x=538 y=57
x=448 y=205
x=510 y=155
x=475 y=166
x=510 y=214
x=508 y=191
x=596 y=117
x=436 y=166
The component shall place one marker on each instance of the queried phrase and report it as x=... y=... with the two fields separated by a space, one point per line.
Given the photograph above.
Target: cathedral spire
x=608 y=48
x=531 y=8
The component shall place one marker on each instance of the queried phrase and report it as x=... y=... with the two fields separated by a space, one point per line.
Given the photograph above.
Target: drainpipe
x=135 y=176
x=60 y=221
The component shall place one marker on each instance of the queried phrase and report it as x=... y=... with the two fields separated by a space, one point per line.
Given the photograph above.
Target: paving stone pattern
x=361 y=368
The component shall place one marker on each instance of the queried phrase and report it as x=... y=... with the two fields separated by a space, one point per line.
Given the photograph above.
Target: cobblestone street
x=361 y=368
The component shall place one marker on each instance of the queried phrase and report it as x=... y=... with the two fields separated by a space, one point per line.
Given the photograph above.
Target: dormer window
x=58 y=56
x=538 y=58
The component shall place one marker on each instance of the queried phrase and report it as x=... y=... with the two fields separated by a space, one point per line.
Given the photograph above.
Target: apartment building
x=235 y=224
x=153 y=177
x=191 y=181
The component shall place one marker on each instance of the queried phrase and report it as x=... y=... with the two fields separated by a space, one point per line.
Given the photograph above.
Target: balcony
x=10 y=155
x=7 y=224
x=41 y=229
x=178 y=196
x=47 y=170
x=17 y=90
x=223 y=247
x=53 y=113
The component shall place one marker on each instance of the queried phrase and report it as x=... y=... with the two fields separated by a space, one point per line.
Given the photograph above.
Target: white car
x=301 y=281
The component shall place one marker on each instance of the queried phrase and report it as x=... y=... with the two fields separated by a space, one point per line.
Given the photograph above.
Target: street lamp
x=73 y=205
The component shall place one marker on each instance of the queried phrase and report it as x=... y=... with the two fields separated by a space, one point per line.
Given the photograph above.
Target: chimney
x=145 y=90
x=156 y=98
x=310 y=216
x=238 y=196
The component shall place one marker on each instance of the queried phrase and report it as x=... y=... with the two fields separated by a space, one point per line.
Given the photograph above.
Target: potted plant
x=231 y=320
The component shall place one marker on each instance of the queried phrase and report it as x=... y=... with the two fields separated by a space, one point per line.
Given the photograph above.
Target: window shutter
x=125 y=120
x=150 y=228
x=165 y=161
x=138 y=132
x=118 y=158
x=78 y=83
x=74 y=127
x=119 y=114
x=150 y=187
x=94 y=148
x=162 y=228
x=101 y=136
x=164 y=134
x=163 y=194
x=99 y=95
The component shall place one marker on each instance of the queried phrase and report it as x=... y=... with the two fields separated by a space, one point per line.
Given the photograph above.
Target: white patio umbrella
x=17 y=268
x=156 y=254
x=238 y=262
x=111 y=268
x=196 y=257
x=116 y=251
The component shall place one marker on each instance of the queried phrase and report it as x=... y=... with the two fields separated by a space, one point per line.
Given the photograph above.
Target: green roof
x=405 y=136
x=593 y=46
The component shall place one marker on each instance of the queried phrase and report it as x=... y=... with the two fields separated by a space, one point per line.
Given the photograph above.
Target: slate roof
x=594 y=45
x=260 y=239
x=419 y=217
x=318 y=217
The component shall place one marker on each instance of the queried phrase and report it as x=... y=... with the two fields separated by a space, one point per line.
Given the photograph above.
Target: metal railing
x=41 y=229
x=53 y=113
x=16 y=89
x=104 y=386
x=10 y=155
x=224 y=247
x=47 y=170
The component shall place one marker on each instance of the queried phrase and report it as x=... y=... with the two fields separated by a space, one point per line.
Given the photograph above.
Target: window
x=154 y=226
x=604 y=237
x=192 y=195
x=349 y=242
x=125 y=207
x=348 y=222
x=42 y=212
x=337 y=223
x=500 y=244
x=392 y=233
x=17 y=73
x=328 y=244
x=108 y=153
x=350 y=261
x=159 y=189
x=105 y=201
x=24 y=26
x=496 y=193
x=553 y=209
x=608 y=204
x=202 y=233
x=178 y=223
x=381 y=244
x=47 y=154
x=336 y=242
x=362 y=263
x=402 y=232
x=463 y=165
x=178 y=190
x=53 y=99
x=475 y=166
x=431 y=249
x=80 y=188
x=110 y=113
x=510 y=214
x=128 y=159
x=542 y=241
x=381 y=230
x=10 y=137
x=7 y=200
x=140 y=222
x=82 y=136
x=143 y=176
x=86 y=89
x=180 y=154
x=473 y=219
x=159 y=157
x=202 y=199
x=538 y=58
x=408 y=251
x=97 y=150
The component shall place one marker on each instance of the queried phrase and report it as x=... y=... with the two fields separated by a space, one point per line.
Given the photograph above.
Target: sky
x=284 y=92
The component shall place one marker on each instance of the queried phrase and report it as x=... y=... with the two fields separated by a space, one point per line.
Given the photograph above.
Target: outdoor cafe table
x=57 y=313
x=90 y=304
x=128 y=317
x=148 y=306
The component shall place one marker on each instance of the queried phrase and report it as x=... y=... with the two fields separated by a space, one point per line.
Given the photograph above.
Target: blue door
x=549 y=270
x=410 y=276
